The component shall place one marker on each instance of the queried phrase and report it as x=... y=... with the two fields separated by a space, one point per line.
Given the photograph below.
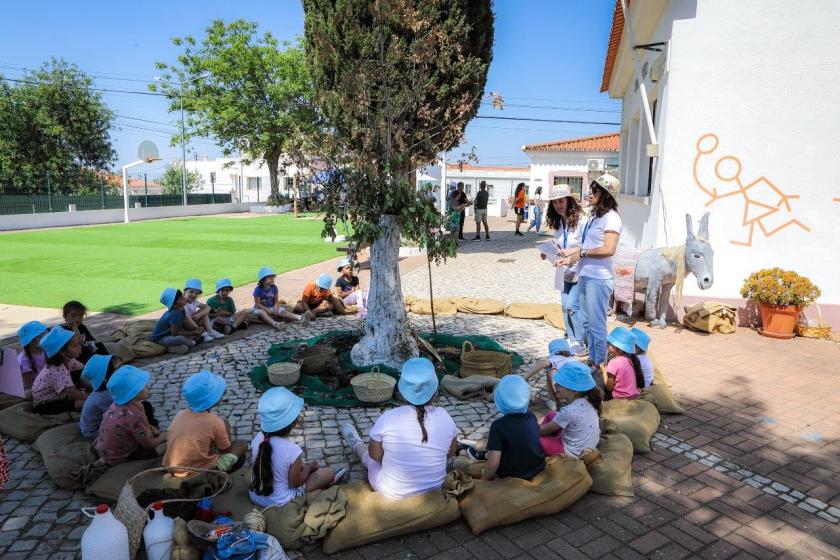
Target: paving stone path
x=750 y=471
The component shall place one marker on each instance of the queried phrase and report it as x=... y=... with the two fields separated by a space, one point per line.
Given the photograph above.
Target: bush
x=774 y=286
x=278 y=200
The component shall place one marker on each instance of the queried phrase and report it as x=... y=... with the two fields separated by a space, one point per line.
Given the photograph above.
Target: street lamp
x=147 y=152
x=183 y=129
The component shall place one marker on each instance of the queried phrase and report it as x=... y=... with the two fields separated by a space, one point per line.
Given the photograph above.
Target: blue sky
x=548 y=53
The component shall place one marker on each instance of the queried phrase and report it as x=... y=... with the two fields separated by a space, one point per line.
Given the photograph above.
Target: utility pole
x=183 y=145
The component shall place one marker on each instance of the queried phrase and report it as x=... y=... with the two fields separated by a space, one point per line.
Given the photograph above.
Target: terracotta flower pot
x=778 y=321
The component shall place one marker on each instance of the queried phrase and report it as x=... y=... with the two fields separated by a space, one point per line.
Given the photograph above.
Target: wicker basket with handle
x=284 y=373
x=314 y=360
x=373 y=386
x=822 y=330
x=484 y=362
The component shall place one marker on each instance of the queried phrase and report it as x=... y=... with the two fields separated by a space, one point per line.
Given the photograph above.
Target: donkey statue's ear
x=704 y=227
x=689 y=228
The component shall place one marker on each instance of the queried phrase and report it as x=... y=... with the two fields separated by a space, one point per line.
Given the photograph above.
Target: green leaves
x=172 y=180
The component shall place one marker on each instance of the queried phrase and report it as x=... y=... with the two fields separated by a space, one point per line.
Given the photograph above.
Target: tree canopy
x=170 y=181
x=54 y=121
x=250 y=92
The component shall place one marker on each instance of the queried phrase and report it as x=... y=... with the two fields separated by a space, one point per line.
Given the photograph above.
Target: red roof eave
x=613 y=44
x=597 y=143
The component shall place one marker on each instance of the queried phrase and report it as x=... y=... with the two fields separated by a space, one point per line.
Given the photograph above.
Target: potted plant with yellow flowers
x=781 y=296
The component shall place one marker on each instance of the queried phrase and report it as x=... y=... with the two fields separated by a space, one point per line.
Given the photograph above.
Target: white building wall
x=546 y=165
x=228 y=178
x=759 y=75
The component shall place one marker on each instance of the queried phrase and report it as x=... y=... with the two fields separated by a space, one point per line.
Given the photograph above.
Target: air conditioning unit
x=595 y=165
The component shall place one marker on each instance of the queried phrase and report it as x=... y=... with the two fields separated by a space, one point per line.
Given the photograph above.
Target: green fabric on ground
x=315 y=391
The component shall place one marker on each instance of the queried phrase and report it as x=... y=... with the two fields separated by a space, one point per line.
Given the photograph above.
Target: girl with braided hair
x=409 y=445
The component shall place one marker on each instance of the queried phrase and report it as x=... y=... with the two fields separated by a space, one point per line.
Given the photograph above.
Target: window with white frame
x=290 y=183
x=254 y=183
x=636 y=168
x=575 y=183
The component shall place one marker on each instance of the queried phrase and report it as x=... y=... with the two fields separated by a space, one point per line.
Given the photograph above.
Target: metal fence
x=37 y=203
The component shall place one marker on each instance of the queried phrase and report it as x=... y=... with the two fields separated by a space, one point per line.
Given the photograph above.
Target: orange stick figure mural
x=765 y=205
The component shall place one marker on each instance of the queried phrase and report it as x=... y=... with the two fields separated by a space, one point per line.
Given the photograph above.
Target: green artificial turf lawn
x=122 y=268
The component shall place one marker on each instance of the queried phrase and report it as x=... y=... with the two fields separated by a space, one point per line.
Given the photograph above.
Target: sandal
x=339 y=476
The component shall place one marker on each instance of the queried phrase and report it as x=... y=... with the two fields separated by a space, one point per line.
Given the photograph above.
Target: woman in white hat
x=599 y=241
x=409 y=445
x=565 y=217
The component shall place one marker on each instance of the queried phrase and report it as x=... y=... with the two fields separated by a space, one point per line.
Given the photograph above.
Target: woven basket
x=484 y=362
x=284 y=373
x=822 y=330
x=315 y=359
x=373 y=387
x=131 y=514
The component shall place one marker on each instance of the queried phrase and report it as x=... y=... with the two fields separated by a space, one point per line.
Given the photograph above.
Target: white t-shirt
x=409 y=466
x=647 y=369
x=572 y=239
x=191 y=307
x=591 y=267
x=284 y=453
x=581 y=428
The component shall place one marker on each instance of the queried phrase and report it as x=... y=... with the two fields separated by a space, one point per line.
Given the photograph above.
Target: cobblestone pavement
x=750 y=471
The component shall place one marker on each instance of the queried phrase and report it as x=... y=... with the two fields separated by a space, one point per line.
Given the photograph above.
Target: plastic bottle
x=106 y=538
x=204 y=512
x=158 y=534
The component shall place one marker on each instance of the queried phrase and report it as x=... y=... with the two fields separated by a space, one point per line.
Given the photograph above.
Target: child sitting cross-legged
x=559 y=352
x=32 y=359
x=513 y=445
x=198 y=313
x=223 y=309
x=623 y=375
x=642 y=345
x=198 y=438
x=58 y=387
x=125 y=433
x=280 y=474
x=316 y=297
x=171 y=330
x=268 y=306
x=346 y=292
x=575 y=427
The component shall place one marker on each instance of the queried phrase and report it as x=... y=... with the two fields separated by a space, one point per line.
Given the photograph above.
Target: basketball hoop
x=148 y=152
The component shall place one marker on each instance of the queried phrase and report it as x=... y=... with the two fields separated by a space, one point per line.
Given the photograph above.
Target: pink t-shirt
x=53 y=380
x=625 y=378
x=28 y=367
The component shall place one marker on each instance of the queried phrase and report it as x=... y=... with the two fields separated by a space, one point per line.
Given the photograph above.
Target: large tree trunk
x=387 y=339
x=272 y=159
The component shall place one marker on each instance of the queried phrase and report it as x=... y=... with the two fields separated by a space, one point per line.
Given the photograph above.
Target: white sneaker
x=216 y=334
x=351 y=435
x=207 y=337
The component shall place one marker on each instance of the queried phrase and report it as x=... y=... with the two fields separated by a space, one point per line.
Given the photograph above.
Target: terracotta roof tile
x=598 y=143
x=615 y=41
x=468 y=167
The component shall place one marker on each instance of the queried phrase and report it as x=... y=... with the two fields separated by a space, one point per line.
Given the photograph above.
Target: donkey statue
x=659 y=270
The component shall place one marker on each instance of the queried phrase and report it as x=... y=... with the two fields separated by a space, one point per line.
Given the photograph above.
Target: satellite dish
x=148 y=152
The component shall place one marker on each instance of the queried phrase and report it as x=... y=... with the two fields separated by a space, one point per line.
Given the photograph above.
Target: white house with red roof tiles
x=744 y=102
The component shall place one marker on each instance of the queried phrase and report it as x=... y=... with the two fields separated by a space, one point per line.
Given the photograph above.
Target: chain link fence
x=38 y=203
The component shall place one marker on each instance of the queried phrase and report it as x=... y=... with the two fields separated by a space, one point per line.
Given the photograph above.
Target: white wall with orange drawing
x=748 y=129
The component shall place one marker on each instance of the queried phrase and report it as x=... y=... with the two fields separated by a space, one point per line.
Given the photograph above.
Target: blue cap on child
x=193 y=284
x=278 y=408
x=126 y=383
x=558 y=345
x=223 y=283
x=265 y=271
x=642 y=338
x=167 y=297
x=324 y=281
x=574 y=376
x=623 y=339
x=30 y=331
x=418 y=381
x=512 y=395
x=55 y=340
x=203 y=389
x=96 y=369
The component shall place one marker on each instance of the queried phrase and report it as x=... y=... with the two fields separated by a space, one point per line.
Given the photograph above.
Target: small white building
x=574 y=161
x=245 y=183
x=743 y=97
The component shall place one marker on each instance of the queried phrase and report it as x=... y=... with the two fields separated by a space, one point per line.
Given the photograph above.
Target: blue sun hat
x=558 y=345
x=265 y=271
x=342 y=263
x=203 y=389
x=574 y=376
x=30 y=331
x=55 y=340
x=223 y=283
x=278 y=408
x=418 y=381
x=642 y=338
x=623 y=339
x=126 y=383
x=193 y=284
x=324 y=281
x=167 y=297
x=96 y=369
x=512 y=395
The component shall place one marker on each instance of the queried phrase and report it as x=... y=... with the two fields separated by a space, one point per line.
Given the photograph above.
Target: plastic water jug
x=158 y=534
x=106 y=538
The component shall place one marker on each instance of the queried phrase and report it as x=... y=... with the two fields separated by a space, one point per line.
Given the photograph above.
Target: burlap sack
x=635 y=418
x=424 y=306
x=479 y=306
x=611 y=471
x=659 y=394
x=65 y=451
x=9 y=400
x=522 y=310
x=18 y=421
x=134 y=335
x=555 y=319
x=372 y=517
x=121 y=350
x=507 y=500
x=711 y=317
x=472 y=387
x=108 y=486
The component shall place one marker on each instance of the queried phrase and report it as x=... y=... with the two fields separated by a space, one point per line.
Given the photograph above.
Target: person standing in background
x=519 y=206
x=480 y=205
x=462 y=201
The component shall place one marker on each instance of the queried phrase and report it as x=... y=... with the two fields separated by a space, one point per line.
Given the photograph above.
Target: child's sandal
x=339 y=476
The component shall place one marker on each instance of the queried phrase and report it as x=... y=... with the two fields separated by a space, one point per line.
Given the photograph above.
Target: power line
x=560 y=100
x=544 y=120
x=552 y=108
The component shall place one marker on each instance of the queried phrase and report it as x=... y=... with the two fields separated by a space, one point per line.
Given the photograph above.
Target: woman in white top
x=599 y=241
x=565 y=217
x=409 y=445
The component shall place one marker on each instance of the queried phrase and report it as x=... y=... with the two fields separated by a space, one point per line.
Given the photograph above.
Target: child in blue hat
x=58 y=387
x=199 y=438
x=316 y=297
x=171 y=330
x=125 y=433
x=198 y=313
x=280 y=474
x=32 y=359
x=559 y=352
x=268 y=307
x=575 y=427
x=223 y=309
x=623 y=375
x=642 y=345
x=346 y=289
